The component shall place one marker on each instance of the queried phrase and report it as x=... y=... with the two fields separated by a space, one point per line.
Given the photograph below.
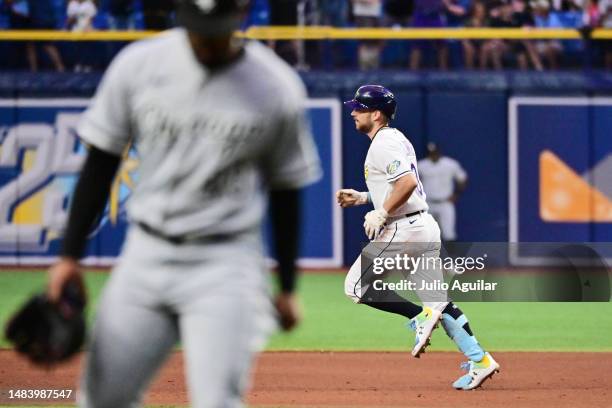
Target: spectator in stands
x=368 y=13
x=550 y=50
x=591 y=19
x=258 y=14
x=333 y=12
x=591 y=15
x=457 y=12
x=511 y=15
x=456 y=15
x=18 y=13
x=398 y=12
x=121 y=15
x=36 y=15
x=18 y=19
x=472 y=49
x=80 y=14
x=157 y=14
x=605 y=7
x=429 y=14
x=567 y=5
x=524 y=50
x=500 y=16
x=284 y=13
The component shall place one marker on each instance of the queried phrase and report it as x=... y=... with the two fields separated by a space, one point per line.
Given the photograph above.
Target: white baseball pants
x=444 y=213
x=414 y=236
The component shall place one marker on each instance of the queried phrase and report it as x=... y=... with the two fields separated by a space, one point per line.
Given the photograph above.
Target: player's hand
x=289 y=311
x=374 y=221
x=348 y=197
x=62 y=272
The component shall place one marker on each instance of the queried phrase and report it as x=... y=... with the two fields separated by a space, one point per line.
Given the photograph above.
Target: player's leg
x=434 y=211
x=481 y=364
x=423 y=236
x=353 y=282
x=221 y=332
x=131 y=339
x=428 y=278
x=225 y=317
x=446 y=219
x=358 y=289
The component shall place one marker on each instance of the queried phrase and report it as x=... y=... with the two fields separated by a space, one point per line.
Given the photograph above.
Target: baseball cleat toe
x=423 y=325
x=477 y=373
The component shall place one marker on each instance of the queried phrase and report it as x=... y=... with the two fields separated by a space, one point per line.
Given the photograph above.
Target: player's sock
x=389 y=301
x=456 y=325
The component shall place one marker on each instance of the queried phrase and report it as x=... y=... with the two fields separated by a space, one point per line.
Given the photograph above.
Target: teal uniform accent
x=466 y=343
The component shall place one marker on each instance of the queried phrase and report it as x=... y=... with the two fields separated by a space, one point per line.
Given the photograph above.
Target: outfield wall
x=508 y=145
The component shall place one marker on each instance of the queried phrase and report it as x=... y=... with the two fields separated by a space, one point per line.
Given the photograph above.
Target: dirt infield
x=343 y=379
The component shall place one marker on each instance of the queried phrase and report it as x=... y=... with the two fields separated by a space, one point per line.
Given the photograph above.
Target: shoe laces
x=466 y=366
x=412 y=325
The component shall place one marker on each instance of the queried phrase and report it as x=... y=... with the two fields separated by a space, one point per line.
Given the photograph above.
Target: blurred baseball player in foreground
x=444 y=180
x=217 y=125
x=400 y=216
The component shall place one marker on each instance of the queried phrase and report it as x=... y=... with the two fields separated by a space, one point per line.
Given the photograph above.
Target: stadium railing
x=328 y=33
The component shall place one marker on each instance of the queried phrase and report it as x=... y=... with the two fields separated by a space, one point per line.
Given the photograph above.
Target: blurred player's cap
x=432 y=147
x=373 y=97
x=211 y=17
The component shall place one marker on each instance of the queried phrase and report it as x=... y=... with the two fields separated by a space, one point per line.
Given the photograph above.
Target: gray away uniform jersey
x=210 y=147
x=207 y=142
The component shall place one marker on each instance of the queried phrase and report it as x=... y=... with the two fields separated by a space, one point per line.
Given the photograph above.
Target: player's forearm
x=401 y=192
x=89 y=200
x=285 y=215
x=459 y=188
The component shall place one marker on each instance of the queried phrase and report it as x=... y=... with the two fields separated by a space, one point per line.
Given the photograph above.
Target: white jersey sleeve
x=394 y=157
x=391 y=157
x=293 y=161
x=106 y=123
x=459 y=173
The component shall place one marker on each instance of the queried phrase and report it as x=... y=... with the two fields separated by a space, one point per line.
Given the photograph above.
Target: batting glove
x=348 y=197
x=374 y=221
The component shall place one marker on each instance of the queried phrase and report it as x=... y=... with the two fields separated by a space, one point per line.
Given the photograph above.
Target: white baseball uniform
x=390 y=157
x=439 y=180
x=211 y=145
x=82 y=13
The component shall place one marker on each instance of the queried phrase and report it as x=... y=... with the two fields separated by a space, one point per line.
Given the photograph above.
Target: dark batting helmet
x=376 y=97
x=211 y=17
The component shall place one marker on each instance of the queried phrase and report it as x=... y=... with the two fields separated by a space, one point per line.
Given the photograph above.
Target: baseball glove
x=48 y=333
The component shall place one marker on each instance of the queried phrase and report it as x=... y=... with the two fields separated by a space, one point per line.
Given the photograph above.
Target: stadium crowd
x=83 y=15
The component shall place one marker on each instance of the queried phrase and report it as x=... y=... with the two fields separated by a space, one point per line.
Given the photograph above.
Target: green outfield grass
x=332 y=322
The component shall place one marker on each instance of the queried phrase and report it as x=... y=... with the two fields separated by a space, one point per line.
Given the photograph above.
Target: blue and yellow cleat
x=477 y=373
x=423 y=325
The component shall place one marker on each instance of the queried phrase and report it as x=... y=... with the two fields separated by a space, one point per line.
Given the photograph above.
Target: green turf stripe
x=333 y=322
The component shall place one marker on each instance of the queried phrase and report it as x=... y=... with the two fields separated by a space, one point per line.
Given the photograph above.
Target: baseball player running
x=444 y=179
x=400 y=216
x=217 y=124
